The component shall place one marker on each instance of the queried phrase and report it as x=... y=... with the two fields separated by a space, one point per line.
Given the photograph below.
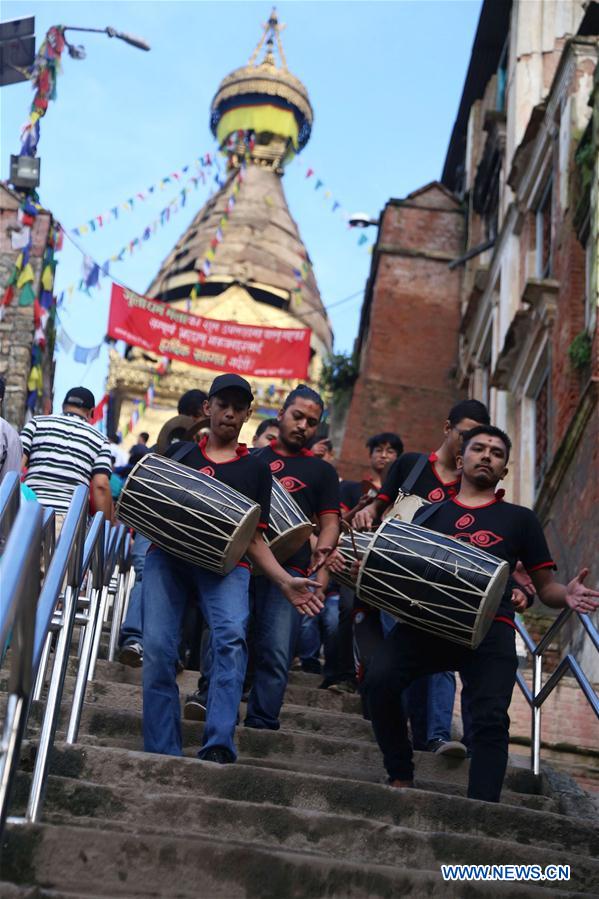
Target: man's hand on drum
x=364 y=519
x=335 y=562
x=304 y=594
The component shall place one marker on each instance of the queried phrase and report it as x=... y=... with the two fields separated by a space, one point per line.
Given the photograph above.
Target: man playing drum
x=479 y=517
x=314 y=486
x=433 y=477
x=169 y=581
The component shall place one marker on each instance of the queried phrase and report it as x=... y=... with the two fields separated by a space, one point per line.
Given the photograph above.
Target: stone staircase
x=304 y=813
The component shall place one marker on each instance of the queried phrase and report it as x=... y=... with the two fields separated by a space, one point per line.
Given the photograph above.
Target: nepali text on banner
x=257 y=350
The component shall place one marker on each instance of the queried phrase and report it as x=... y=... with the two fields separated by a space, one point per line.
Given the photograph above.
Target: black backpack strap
x=418 y=468
x=183 y=449
x=429 y=511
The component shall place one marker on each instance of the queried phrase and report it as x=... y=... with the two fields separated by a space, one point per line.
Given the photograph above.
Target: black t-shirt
x=428 y=484
x=312 y=483
x=511 y=532
x=246 y=473
x=350 y=493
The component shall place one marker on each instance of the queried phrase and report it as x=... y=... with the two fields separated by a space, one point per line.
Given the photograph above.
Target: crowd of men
x=244 y=631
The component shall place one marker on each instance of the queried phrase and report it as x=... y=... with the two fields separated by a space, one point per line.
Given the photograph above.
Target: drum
x=345 y=548
x=288 y=527
x=189 y=514
x=405 y=506
x=433 y=582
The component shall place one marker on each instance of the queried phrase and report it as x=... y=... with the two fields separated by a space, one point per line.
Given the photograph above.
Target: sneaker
x=344 y=686
x=195 y=706
x=219 y=754
x=132 y=654
x=451 y=748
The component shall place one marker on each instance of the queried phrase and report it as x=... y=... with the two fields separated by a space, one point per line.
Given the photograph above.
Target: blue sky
x=384 y=78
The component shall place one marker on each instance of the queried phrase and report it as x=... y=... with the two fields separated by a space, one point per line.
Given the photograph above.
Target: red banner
x=224 y=346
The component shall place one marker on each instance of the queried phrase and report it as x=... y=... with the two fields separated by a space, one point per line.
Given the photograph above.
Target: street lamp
x=111 y=32
x=362 y=220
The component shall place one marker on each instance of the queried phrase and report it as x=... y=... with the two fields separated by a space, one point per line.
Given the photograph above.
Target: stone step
x=341 y=831
x=158 y=865
x=145 y=773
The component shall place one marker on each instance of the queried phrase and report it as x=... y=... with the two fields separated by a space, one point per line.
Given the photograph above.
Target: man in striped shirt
x=62 y=451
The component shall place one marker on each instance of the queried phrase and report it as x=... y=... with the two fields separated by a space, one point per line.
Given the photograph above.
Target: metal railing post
x=67 y=561
x=20 y=578
x=535 y=737
x=95 y=561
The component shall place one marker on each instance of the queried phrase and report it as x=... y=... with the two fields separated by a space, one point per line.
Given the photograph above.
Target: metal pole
x=117 y=611
x=41 y=674
x=537 y=672
x=97 y=632
x=84 y=667
x=55 y=689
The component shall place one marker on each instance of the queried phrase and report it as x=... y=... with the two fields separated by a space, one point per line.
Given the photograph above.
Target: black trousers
x=490 y=671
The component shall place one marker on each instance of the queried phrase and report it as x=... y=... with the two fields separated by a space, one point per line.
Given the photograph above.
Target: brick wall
x=16 y=328
x=409 y=351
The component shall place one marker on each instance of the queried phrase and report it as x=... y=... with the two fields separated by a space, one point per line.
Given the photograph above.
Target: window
x=541 y=432
x=543 y=233
x=502 y=77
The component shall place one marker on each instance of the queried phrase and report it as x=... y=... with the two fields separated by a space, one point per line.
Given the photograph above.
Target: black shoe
x=311 y=666
x=327 y=682
x=195 y=706
x=344 y=686
x=219 y=754
x=132 y=654
x=450 y=748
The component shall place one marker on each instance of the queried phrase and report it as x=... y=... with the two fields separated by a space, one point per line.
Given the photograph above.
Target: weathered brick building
x=408 y=336
x=17 y=326
x=518 y=306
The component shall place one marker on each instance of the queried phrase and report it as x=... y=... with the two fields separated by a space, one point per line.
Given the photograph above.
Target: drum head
x=285 y=545
x=488 y=607
x=242 y=539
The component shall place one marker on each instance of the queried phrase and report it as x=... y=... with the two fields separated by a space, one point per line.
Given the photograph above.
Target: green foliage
x=339 y=374
x=579 y=351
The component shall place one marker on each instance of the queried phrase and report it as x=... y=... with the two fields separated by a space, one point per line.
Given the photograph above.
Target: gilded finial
x=271 y=36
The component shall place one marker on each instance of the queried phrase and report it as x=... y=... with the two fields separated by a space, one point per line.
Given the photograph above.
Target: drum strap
x=414 y=474
x=183 y=449
x=429 y=510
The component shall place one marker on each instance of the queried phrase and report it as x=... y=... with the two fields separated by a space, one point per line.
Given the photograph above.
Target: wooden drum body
x=288 y=527
x=188 y=514
x=433 y=582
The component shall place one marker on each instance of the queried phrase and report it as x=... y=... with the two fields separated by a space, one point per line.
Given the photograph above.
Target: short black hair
x=191 y=403
x=303 y=392
x=264 y=425
x=144 y=435
x=490 y=431
x=389 y=437
x=473 y=409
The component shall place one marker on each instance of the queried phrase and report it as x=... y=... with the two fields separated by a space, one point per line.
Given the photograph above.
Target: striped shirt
x=63 y=451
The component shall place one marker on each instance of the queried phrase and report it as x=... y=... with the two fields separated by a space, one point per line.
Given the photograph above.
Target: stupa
x=258 y=270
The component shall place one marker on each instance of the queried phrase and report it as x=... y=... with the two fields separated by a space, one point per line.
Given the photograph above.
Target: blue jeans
x=131 y=629
x=428 y=700
x=322 y=628
x=168 y=583
x=277 y=626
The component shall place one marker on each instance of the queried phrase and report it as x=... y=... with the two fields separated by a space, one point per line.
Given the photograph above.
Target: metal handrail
x=10 y=498
x=20 y=578
x=540 y=692
x=66 y=563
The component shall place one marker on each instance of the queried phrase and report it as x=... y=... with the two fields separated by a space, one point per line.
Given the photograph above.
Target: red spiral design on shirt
x=436 y=495
x=465 y=521
x=291 y=485
x=485 y=539
x=208 y=469
x=277 y=465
